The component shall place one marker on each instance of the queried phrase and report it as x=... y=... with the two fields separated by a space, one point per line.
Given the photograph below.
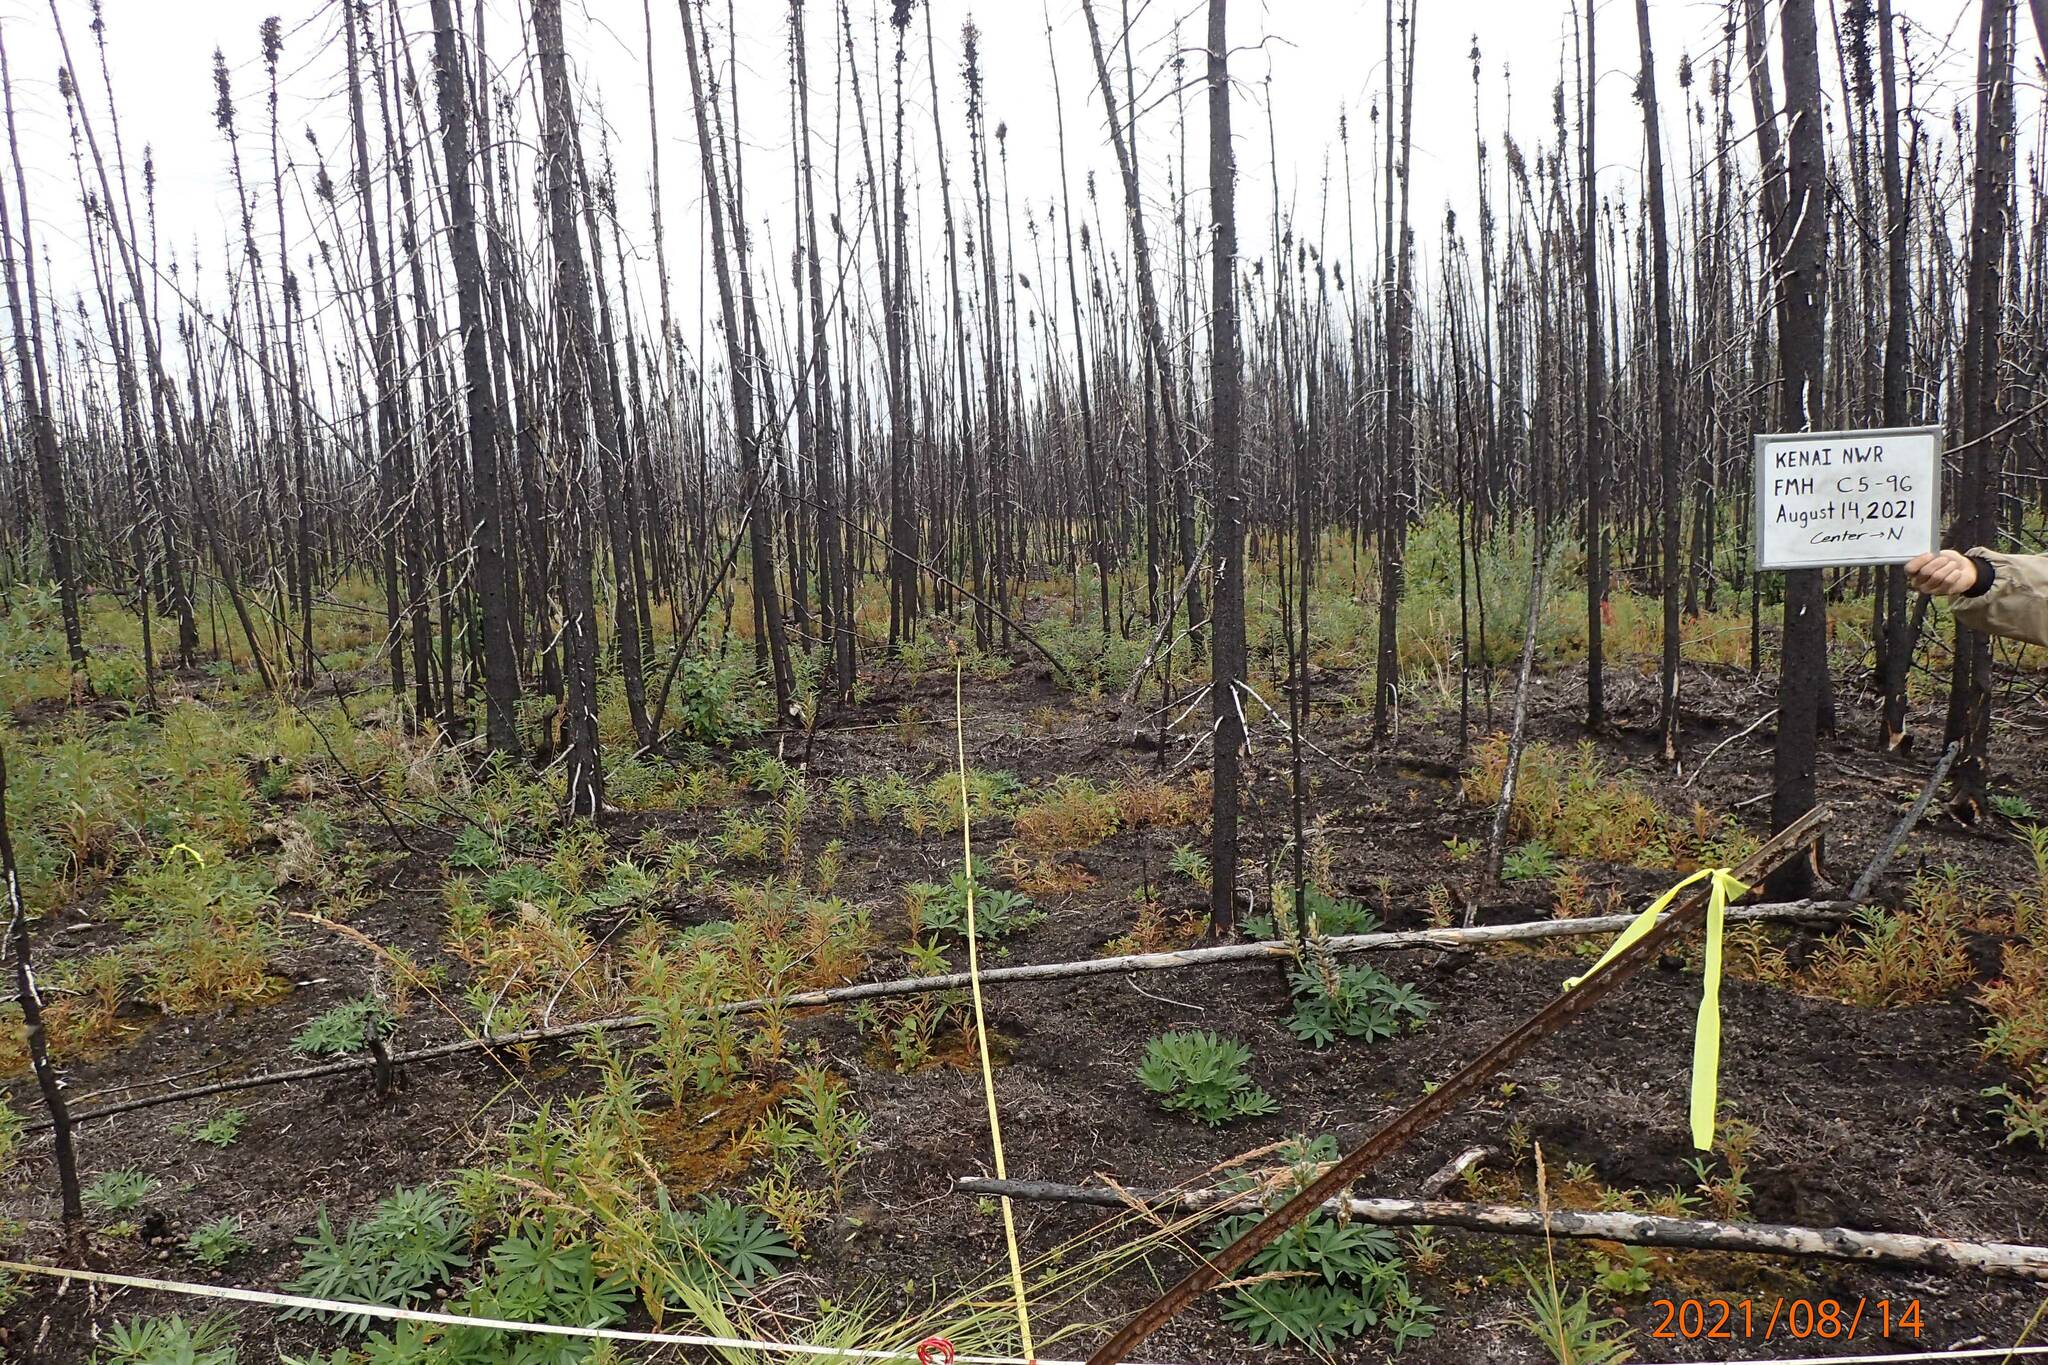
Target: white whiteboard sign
x=1847 y=497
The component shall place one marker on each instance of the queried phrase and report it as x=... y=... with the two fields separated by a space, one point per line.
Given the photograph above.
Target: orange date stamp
x=1784 y=1319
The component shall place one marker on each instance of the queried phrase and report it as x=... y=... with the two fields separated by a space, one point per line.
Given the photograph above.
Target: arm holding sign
x=1999 y=594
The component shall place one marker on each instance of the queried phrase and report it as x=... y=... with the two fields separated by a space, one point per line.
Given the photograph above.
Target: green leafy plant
x=1533 y=861
x=120 y=1191
x=742 y=840
x=343 y=1030
x=1567 y=1327
x=1324 y=1280
x=520 y=883
x=221 y=1129
x=998 y=913
x=166 y=1341
x=415 y=1240
x=906 y=1027
x=538 y=1274
x=832 y=1128
x=2012 y=805
x=1357 y=1001
x=712 y=702
x=1190 y=862
x=737 y=1240
x=1626 y=1274
x=476 y=851
x=1327 y=915
x=1203 y=1075
x=214 y=1244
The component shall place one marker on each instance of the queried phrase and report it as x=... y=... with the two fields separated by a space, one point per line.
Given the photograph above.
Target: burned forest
x=1114 y=680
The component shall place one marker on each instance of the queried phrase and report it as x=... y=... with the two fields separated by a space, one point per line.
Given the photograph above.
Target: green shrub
x=166 y=1341
x=998 y=913
x=1324 y=1280
x=343 y=1030
x=1203 y=1075
x=1529 y=862
x=476 y=851
x=1327 y=915
x=214 y=1244
x=714 y=702
x=221 y=1129
x=120 y=1191
x=415 y=1240
x=1355 y=1001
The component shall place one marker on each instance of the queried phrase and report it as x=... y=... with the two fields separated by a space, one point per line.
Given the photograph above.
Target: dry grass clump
x=1072 y=813
x=1904 y=957
x=1150 y=803
x=1580 y=808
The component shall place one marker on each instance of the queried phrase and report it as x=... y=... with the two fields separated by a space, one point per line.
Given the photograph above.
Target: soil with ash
x=1869 y=1118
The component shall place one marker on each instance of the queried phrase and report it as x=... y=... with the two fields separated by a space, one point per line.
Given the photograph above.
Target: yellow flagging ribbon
x=988 y=1075
x=1723 y=886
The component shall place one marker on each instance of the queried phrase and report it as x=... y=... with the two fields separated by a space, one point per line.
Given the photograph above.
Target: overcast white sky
x=1310 y=60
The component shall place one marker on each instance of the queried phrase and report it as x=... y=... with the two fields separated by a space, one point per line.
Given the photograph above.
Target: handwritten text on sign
x=1847 y=497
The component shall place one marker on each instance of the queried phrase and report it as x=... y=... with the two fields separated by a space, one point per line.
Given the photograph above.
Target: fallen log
x=1948 y=1254
x=1385 y=941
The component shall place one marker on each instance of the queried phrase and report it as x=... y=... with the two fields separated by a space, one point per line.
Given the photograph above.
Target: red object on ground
x=935 y=1351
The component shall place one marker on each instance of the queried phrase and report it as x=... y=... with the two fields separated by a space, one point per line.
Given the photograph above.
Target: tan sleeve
x=2016 y=604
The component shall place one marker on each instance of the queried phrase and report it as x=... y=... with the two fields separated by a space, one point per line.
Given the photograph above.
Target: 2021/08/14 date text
x=1781 y=1318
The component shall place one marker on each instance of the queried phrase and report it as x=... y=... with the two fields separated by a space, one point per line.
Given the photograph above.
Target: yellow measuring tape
x=1723 y=886
x=988 y=1075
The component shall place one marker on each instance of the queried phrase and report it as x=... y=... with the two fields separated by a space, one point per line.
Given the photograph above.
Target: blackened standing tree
x=1801 y=285
x=1226 y=415
x=1976 y=521
x=501 y=682
x=1896 y=658
x=836 y=592
x=1596 y=398
x=295 y=399
x=578 y=377
x=740 y=365
x=35 y=399
x=1397 y=428
x=1667 y=389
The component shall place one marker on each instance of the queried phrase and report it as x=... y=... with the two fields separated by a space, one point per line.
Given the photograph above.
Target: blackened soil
x=1869 y=1118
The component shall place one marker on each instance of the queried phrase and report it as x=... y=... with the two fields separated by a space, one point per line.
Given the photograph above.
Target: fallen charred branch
x=1948 y=1254
x=1386 y=941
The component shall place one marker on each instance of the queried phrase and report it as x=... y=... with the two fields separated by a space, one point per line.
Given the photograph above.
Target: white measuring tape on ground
x=921 y=1353
x=924 y=1352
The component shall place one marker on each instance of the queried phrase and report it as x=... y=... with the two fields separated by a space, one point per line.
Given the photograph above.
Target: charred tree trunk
x=577 y=378
x=1672 y=494
x=1227 y=667
x=1801 y=286
x=500 y=667
x=1896 y=657
x=1976 y=522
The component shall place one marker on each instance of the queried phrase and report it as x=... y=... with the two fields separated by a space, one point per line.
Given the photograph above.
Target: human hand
x=1945 y=573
